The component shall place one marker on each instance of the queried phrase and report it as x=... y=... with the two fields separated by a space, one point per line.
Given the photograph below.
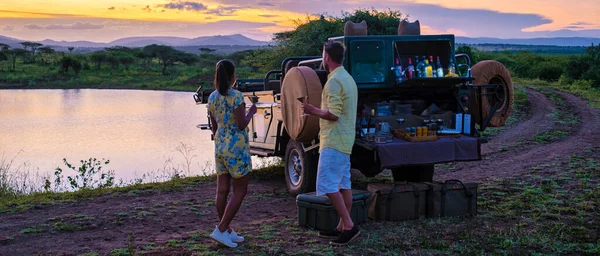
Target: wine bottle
x=440 y=70
x=411 y=70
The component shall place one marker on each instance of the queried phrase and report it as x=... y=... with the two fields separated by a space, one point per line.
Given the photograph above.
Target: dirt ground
x=156 y=222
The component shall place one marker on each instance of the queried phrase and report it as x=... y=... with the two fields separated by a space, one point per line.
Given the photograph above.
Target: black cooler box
x=451 y=198
x=317 y=212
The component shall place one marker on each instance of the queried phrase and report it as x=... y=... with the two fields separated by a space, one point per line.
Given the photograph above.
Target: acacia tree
x=34 y=47
x=14 y=54
x=3 y=57
x=167 y=56
x=46 y=53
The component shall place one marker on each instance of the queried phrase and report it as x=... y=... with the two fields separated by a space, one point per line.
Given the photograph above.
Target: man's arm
x=333 y=94
x=325 y=114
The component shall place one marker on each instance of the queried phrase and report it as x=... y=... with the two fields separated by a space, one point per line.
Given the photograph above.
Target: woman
x=229 y=120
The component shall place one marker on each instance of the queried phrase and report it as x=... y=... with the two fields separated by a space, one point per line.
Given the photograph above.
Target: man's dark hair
x=335 y=50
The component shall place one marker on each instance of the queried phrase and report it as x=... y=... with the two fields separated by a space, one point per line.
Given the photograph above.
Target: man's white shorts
x=333 y=171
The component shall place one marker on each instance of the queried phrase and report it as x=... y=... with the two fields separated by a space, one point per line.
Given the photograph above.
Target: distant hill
x=224 y=40
x=143 y=41
x=558 y=41
x=12 y=42
x=241 y=40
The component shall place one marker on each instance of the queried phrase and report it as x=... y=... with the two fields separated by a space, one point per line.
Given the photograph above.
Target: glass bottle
x=410 y=70
x=440 y=70
x=428 y=69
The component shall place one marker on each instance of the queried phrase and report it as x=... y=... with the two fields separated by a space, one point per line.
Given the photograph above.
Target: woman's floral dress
x=232 y=151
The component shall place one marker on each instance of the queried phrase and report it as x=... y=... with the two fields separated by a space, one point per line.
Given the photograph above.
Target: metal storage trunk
x=451 y=198
x=400 y=201
x=318 y=213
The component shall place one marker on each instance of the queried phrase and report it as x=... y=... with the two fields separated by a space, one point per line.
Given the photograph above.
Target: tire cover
x=487 y=72
x=300 y=82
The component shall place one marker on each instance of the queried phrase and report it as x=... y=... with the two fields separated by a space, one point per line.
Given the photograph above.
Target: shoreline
x=5 y=86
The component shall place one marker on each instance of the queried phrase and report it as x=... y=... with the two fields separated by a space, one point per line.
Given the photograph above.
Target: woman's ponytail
x=223 y=75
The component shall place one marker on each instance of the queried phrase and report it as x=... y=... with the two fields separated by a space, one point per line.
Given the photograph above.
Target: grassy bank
x=581 y=88
x=553 y=209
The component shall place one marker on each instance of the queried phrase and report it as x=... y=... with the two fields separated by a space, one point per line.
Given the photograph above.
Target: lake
x=140 y=132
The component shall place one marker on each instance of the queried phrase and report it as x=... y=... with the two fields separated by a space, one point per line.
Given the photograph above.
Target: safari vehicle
x=482 y=92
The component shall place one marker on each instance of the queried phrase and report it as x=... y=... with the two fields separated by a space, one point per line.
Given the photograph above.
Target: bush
x=547 y=71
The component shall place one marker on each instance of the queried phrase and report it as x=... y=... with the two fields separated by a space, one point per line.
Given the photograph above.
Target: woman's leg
x=223 y=184
x=240 y=187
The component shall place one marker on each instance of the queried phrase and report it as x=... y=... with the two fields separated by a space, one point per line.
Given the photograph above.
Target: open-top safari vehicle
x=390 y=100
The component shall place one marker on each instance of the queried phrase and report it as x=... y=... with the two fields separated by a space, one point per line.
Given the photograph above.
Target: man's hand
x=312 y=110
x=309 y=109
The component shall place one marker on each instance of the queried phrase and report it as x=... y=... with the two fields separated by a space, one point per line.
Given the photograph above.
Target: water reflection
x=139 y=131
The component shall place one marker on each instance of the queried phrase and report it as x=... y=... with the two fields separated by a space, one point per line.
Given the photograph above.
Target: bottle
x=398 y=71
x=428 y=69
x=418 y=68
x=433 y=67
x=423 y=68
x=451 y=68
x=440 y=70
x=411 y=70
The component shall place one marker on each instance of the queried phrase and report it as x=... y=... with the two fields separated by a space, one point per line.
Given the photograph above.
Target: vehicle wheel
x=416 y=173
x=492 y=72
x=300 y=168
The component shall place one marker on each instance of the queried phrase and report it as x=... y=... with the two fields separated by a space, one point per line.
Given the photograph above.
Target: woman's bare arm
x=242 y=118
x=213 y=123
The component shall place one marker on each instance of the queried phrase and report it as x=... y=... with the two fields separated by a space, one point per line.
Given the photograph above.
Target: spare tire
x=300 y=82
x=492 y=72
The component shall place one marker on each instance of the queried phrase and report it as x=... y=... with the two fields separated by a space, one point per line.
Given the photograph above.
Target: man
x=337 y=122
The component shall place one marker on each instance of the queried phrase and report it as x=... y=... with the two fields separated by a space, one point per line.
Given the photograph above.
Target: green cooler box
x=317 y=212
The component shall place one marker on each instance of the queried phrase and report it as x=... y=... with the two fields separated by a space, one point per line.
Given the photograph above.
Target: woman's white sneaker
x=222 y=237
x=234 y=237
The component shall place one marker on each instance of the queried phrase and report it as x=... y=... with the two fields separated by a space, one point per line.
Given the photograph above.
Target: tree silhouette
x=71 y=49
x=33 y=46
x=206 y=50
x=13 y=54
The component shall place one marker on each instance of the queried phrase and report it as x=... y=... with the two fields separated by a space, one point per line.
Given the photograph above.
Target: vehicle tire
x=414 y=173
x=300 y=168
x=492 y=72
x=300 y=82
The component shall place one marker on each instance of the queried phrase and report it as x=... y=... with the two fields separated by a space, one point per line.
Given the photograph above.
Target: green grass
x=550 y=136
x=582 y=88
x=33 y=230
x=179 y=78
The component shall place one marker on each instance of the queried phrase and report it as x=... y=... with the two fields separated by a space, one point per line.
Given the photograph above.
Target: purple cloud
x=34 y=27
x=223 y=11
x=581 y=23
x=9 y=28
x=268 y=15
x=187 y=5
x=75 y=26
x=574 y=27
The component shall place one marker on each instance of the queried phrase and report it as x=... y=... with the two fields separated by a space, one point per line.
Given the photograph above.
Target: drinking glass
x=303 y=99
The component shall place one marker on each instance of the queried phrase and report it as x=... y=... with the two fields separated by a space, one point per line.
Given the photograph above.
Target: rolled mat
x=300 y=82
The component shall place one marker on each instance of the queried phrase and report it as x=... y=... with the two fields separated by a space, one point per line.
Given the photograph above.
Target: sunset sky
x=107 y=20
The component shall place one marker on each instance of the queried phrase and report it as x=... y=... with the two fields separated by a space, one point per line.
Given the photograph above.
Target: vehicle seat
x=322 y=74
x=355 y=28
x=406 y=28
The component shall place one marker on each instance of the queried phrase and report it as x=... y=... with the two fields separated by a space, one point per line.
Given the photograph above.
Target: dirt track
x=141 y=218
x=523 y=153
